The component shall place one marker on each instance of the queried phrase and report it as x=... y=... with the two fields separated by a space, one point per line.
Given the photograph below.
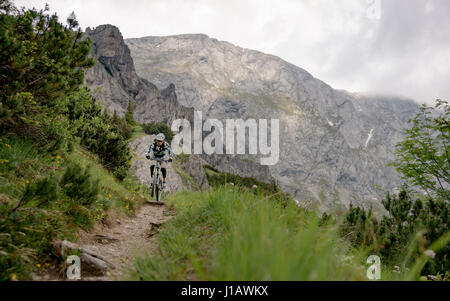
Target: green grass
x=235 y=234
x=138 y=132
x=217 y=178
x=26 y=233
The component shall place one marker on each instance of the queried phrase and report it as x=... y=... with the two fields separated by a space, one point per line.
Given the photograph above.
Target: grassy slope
x=231 y=233
x=26 y=234
x=236 y=233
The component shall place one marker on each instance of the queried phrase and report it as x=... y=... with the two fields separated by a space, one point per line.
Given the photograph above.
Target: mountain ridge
x=114 y=73
x=326 y=152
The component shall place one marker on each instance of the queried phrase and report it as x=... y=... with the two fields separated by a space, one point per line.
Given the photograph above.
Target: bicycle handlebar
x=160 y=159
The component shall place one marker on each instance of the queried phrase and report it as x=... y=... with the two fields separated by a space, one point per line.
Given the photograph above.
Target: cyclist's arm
x=150 y=149
x=169 y=149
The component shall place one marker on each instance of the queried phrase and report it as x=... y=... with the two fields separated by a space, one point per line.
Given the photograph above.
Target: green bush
x=41 y=193
x=121 y=172
x=78 y=185
x=391 y=236
x=25 y=234
x=100 y=133
x=42 y=62
x=125 y=129
x=129 y=115
x=154 y=128
x=423 y=158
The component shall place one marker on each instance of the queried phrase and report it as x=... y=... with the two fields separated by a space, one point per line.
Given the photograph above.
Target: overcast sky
x=399 y=47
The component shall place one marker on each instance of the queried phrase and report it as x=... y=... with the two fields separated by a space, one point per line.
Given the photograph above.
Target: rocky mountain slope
x=334 y=145
x=115 y=82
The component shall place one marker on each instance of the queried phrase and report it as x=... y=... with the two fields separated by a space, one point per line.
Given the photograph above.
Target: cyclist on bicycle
x=158 y=150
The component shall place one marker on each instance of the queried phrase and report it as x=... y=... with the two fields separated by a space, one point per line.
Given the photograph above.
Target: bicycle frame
x=157 y=181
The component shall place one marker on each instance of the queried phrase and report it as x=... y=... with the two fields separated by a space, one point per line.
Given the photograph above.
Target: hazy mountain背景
x=334 y=145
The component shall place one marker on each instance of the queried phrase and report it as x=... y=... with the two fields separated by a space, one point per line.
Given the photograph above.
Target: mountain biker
x=158 y=150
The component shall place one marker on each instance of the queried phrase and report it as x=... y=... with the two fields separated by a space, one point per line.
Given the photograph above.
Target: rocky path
x=131 y=237
x=128 y=237
x=117 y=244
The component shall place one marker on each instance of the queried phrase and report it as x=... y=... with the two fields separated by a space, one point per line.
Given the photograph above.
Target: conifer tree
x=129 y=114
x=41 y=61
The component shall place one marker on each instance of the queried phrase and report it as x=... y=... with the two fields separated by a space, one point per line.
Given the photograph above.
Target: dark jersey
x=160 y=151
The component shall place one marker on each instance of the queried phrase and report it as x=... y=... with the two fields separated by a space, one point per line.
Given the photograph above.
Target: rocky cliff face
x=334 y=145
x=115 y=82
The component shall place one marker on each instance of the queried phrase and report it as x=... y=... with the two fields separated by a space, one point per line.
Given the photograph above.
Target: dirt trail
x=119 y=244
x=132 y=236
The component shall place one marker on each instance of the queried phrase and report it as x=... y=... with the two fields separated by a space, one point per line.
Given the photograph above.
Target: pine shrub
x=154 y=128
x=79 y=186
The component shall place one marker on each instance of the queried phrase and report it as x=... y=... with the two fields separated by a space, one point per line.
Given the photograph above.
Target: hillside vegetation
x=233 y=233
x=63 y=163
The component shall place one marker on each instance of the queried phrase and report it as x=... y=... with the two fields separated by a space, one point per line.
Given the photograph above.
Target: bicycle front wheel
x=158 y=193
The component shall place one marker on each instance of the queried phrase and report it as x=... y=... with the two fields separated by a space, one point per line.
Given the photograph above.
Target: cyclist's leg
x=152 y=168
x=164 y=170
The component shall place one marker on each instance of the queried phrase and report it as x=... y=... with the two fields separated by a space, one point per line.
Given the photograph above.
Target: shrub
x=129 y=115
x=25 y=234
x=42 y=62
x=154 y=128
x=121 y=172
x=78 y=185
x=423 y=158
x=391 y=236
x=122 y=125
x=42 y=192
x=100 y=133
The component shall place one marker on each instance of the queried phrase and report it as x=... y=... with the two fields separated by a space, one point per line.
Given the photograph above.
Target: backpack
x=159 y=151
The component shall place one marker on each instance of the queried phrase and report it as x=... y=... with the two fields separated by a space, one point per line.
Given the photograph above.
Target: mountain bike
x=157 y=181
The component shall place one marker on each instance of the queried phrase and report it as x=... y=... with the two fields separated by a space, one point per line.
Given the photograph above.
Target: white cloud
x=405 y=52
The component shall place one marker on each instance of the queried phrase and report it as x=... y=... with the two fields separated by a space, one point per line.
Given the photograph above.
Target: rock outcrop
x=114 y=81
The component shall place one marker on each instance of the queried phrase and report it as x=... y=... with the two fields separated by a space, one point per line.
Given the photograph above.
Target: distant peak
x=103 y=27
x=190 y=36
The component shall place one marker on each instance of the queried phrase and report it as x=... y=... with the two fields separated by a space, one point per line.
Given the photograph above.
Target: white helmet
x=160 y=137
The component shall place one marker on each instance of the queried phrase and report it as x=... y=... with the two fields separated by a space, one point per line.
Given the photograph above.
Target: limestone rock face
x=114 y=82
x=334 y=145
x=193 y=166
